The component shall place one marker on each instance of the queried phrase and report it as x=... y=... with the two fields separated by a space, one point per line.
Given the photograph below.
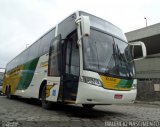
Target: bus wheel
x=88 y=106
x=45 y=104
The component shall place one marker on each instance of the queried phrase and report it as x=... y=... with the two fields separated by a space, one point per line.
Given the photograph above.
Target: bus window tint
x=72 y=59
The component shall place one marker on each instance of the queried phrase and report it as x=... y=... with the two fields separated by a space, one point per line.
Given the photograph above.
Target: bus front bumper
x=90 y=94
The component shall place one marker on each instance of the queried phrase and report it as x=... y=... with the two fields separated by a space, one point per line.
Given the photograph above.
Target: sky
x=22 y=22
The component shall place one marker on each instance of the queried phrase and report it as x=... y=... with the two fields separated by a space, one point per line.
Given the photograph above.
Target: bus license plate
x=118 y=96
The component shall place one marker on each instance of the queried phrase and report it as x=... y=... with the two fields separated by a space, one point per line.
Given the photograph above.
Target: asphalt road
x=28 y=113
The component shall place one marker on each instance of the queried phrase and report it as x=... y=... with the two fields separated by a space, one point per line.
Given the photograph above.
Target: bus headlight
x=92 y=81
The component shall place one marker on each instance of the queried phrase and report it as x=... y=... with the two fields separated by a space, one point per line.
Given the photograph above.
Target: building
x=148 y=69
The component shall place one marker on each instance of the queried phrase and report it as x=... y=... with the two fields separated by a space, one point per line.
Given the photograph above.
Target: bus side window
x=72 y=59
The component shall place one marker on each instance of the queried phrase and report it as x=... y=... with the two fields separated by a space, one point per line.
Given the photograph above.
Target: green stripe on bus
x=125 y=83
x=27 y=74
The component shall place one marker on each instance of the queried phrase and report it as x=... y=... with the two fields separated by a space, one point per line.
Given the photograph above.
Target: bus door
x=71 y=69
x=54 y=69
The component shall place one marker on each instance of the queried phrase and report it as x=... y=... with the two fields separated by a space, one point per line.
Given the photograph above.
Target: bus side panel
x=40 y=74
x=12 y=79
x=26 y=74
x=20 y=77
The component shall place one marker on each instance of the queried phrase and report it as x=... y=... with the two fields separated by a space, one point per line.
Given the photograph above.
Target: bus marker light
x=118 y=96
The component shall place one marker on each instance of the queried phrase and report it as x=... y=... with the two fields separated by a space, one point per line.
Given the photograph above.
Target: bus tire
x=88 y=106
x=45 y=104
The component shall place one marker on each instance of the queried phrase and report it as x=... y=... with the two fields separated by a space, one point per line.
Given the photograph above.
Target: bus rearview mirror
x=85 y=25
x=138 y=50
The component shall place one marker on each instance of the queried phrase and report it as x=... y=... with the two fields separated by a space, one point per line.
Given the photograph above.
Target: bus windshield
x=108 y=55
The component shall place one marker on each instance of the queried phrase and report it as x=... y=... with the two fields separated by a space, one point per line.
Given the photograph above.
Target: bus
x=82 y=60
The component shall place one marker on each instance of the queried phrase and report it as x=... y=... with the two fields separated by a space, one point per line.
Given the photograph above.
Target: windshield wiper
x=115 y=58
x=122 y=59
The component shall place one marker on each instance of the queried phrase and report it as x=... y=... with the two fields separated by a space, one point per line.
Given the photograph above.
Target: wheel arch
x=44 y=82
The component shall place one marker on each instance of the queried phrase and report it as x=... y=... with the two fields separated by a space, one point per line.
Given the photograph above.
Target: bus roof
x=95 y=22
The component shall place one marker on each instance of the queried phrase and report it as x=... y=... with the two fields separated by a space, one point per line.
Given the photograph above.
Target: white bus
x=83 y=60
